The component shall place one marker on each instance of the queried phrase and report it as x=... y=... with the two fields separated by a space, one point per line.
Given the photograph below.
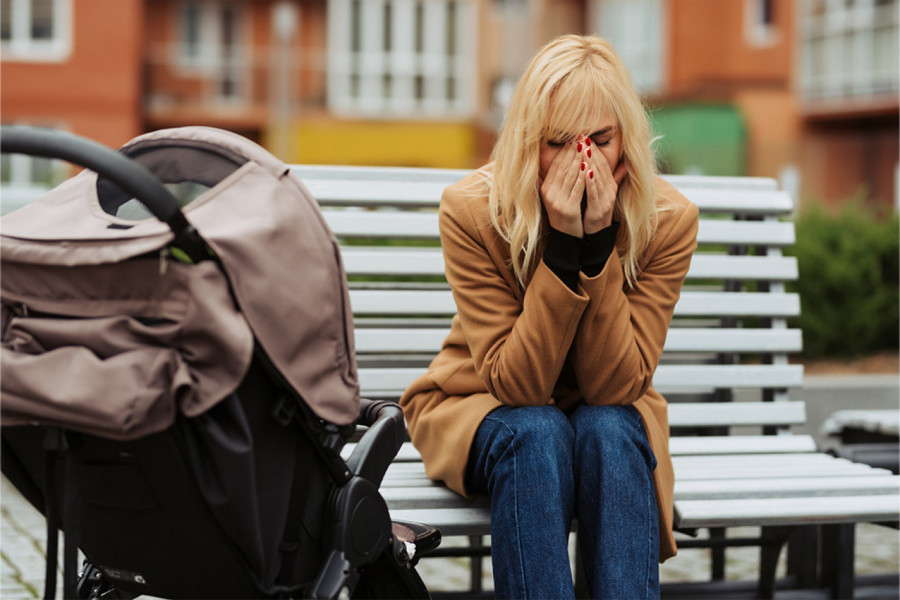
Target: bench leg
x=803 y=555
x=717 y=555
x=476 y=566
x=838 y=546
x=772 y=540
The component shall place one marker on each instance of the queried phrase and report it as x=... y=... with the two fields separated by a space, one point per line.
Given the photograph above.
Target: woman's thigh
x=536 y=439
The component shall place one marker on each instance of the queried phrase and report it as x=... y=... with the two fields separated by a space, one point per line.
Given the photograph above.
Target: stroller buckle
x=285 y=410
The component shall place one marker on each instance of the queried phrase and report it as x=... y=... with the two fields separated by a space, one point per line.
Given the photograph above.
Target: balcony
x=849 y=58
x=246 y=89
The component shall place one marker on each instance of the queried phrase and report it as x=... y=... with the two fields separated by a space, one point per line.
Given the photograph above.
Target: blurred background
x=805 y=91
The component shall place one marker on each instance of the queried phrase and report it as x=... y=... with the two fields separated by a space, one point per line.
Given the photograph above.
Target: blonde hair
x=560 y=91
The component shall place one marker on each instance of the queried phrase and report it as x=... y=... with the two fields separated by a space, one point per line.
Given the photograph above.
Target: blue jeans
x=541 y=469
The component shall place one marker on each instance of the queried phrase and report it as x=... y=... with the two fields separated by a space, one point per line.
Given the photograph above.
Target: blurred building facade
x=70 y=65
x=804 y=90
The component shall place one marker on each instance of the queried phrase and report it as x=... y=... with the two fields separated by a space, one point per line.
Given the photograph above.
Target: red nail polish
x=587 y=141
x=589 y=152
x=582 y=166
x=591 y=173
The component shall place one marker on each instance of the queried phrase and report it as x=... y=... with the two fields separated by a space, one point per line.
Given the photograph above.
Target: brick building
x=804 y=90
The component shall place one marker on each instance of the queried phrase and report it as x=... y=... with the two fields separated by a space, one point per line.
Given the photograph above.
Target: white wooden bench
x=724 y=370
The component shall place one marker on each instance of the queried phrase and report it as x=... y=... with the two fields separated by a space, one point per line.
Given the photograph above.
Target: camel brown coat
x=547 y=344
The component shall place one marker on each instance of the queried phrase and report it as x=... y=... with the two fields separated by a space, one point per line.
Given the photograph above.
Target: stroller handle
x=380 y=444
x=114 y=166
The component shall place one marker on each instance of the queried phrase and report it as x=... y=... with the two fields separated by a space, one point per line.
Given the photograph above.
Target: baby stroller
x=177 y=387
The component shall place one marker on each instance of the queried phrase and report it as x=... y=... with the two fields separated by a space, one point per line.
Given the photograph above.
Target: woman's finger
x=600 y=195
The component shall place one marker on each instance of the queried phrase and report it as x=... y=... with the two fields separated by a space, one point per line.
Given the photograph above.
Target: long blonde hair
x=560 y=91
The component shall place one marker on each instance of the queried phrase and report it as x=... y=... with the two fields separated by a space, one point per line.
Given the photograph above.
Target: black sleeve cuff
x=597 y=248
x=561 y=255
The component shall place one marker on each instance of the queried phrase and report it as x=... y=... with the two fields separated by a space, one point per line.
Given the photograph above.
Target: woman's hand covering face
x=579 y=186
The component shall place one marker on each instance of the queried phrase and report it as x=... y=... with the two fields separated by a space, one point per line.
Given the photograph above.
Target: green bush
x=849 y=269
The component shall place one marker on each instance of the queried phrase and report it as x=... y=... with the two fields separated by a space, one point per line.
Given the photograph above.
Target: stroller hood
x=122 y=317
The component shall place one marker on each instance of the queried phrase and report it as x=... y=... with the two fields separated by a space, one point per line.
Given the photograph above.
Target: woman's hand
x=563 y=188
x=601 y=189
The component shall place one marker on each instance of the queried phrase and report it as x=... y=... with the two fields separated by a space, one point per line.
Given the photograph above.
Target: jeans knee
x=542 y=432
x=610 y=430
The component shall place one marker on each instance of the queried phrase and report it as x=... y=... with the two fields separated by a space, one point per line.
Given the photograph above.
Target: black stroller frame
x=349 y=547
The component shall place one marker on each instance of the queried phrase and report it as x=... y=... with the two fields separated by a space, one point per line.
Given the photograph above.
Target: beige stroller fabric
x=103 y=331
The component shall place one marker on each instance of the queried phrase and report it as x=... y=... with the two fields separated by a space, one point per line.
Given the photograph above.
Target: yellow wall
x=383 y=143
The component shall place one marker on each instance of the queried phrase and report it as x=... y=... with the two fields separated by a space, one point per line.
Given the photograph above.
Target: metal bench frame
x=729 y=334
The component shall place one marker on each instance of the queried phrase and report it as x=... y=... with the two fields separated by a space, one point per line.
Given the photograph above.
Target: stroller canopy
x=152 y=333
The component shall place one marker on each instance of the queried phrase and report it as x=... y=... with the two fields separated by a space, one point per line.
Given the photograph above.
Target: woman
x=566 y=256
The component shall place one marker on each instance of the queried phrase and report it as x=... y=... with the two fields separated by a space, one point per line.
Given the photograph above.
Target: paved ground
x=22 y=534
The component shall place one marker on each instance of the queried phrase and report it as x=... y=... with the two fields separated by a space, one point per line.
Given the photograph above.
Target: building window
x=759 y=22
x=635 y=29
x=209 y=46
x=35 y=30
x=23 y=178
x=401 y=58
x=849 y=49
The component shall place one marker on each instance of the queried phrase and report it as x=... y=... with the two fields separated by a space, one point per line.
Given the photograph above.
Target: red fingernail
x=579 y=146
x=591 y=174
x=582 y=166
x=587 y=141
x=589 y=152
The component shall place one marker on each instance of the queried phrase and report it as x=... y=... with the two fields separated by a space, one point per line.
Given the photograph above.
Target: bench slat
x=448 y=176
x=773 y=268
x=740 y=444
x=681 y=446
x=712 y=414
x=400 y=175
x=722 y=468
x=402 y=261
x=786 y=472
x=693 y=514
x=434 y=496
x=712 y=182
x=424 y=225
x=438 y=496
x=387 y=224
x=780 y=487
x=362 y=186
x=686 y=339
x=768 y=460
x=668 y=378
x=749 y=233
x=417 y=194
x=785 y=511
x=450 y=521
x=440 y=302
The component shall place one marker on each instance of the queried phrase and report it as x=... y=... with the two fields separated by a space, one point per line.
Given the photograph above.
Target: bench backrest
x=730 y=328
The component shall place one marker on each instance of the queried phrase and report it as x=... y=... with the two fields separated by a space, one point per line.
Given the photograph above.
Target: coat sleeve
x=618 y=344
x=518 y=344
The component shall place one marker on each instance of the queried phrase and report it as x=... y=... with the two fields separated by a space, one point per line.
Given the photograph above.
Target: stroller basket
x=177 y=385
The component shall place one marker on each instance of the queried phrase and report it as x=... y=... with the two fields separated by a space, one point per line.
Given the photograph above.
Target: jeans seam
x=651 y=502
x=515 y=488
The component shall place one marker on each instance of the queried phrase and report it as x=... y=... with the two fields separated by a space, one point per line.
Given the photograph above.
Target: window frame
x=24 y=47
x=640 y=46
x=839 y=49
x=401 y=64
x=210 y=62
